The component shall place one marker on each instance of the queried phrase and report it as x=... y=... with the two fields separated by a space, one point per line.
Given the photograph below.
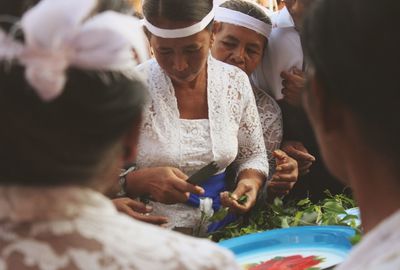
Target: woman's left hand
x=246 y=187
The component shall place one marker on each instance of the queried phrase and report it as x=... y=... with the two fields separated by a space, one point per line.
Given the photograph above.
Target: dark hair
x=177 y=10
x=248 y=8
x=356 y=59
x=65 y=140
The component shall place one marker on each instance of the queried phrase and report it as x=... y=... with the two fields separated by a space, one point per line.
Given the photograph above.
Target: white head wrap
x=181 y=32
x=60 y=34
x=238 y=18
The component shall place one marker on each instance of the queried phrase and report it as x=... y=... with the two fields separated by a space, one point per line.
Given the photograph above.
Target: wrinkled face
x=238 y=46
x=182 y=59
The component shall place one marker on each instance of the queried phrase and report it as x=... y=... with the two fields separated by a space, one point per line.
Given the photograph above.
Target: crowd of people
x=106 y=116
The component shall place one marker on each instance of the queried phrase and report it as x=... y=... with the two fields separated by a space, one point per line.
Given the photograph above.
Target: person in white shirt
x=353 y=104
x=70 y=111
x=241 y=31
x=281 y=74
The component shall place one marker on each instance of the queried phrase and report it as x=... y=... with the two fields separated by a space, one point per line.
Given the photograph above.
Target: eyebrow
x=252 y=45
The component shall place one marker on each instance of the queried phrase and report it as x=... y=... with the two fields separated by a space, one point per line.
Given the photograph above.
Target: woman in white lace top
x=200 y=110
x=241 y=34
x=70 y=119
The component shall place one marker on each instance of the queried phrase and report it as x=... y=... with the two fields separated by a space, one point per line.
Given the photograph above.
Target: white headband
x=238 y=18
x=60 y=34
x=181 y=32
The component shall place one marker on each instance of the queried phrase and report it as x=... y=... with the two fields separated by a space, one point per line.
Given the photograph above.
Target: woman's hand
x=249 y=184
x=297 y=151
x=163 y=184
x=138 y=211
x=285 y=176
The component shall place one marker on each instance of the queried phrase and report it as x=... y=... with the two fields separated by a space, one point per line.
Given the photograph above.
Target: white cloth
x=235 y=129
x=271 y=122
x=379 y=249
x=61 y=34
x=283 y=53
x=75 y=228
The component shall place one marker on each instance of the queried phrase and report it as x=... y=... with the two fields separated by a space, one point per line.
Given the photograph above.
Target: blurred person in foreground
x=70 y=115
x=353 y=104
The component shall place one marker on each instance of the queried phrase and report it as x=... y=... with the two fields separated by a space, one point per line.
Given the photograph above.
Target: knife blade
x=203 y=174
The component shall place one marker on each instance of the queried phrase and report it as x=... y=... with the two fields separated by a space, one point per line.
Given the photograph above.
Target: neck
x=377 y=190
x=194 y=84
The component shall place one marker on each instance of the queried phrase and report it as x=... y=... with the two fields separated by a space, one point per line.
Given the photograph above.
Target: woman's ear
x=329 y=113
x=130 y=142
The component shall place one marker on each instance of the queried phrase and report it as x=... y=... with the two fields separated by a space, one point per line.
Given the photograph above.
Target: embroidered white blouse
x=74 y=228
x=233 y=130
x=271 y=122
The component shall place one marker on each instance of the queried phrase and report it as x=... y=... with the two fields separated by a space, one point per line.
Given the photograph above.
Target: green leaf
x=304 y=202
x=335 y=207
x=220 y=215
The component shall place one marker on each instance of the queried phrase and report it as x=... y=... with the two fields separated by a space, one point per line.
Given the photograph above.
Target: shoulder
x=147 y=67
x=265 y=100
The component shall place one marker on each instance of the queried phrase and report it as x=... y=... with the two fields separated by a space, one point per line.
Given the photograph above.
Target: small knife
x=203 y=174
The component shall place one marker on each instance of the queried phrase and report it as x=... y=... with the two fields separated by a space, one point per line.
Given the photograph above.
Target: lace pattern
x=234 y=130
x=271 y=122
x=74 y=228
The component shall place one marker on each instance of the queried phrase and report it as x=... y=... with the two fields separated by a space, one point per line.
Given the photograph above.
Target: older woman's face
x=238 y=46
x=182 y=59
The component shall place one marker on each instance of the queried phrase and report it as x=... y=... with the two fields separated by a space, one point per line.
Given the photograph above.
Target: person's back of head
x=354 y=48
x=68 y=137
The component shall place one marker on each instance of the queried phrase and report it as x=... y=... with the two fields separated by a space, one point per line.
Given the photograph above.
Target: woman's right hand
x=163 y=184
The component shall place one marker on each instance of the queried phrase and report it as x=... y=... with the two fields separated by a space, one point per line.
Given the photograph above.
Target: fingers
x=139 y=206
x=138 y=210
x=286 y=167
x=156 y=220
x=279 y=154
x=297 y=72
x=301 y=156
x=232 y=200
x=179 y=174
x=184 y=186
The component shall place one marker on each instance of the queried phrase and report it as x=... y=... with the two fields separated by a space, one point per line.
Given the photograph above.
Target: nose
x=238 y=56
x=180 y=63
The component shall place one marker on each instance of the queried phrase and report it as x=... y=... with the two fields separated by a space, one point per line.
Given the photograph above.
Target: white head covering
x=61 y=34
x=180 y=32
x=238 y=18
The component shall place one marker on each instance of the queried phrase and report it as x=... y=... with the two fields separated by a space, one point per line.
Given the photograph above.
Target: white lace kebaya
x=75 y=228
x=233 y=130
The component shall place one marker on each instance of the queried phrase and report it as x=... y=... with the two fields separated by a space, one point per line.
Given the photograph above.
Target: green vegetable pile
x=330 y=211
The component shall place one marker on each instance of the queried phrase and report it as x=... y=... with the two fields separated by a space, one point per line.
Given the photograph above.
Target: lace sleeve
x=271 y=122
x=252 y=153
